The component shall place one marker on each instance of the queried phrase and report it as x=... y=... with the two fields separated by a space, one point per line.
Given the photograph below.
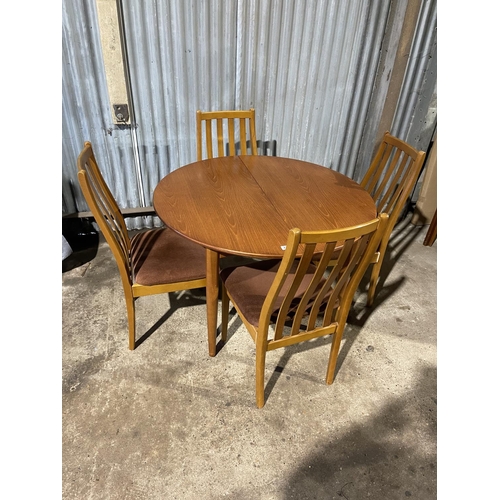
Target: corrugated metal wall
x=416 y=115
x=415 y=120
x=86 y=112
x=308 y=68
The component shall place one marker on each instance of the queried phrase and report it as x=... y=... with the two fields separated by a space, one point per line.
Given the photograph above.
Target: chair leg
x=260 y=363
x=130 y=301
x=225 y=313
x=376 y=272
x=332 y=361
x=373 y=283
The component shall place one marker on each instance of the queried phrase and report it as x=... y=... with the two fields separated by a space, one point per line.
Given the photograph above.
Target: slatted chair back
x=216 y=127
x=392 y=174
x=105 y=211
x=390 y=180
x=303 y=298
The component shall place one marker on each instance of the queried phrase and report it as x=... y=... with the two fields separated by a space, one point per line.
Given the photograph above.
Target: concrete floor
x=167 y=421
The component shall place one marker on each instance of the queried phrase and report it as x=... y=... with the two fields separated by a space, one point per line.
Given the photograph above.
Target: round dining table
x=246 y=205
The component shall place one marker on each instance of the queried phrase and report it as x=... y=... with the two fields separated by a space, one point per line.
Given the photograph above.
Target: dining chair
x=291 y=300
x=152 y=262
x=219 y=125
x=390 y=180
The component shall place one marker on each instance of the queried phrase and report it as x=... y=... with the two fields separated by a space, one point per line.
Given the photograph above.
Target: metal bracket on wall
x=121 y=112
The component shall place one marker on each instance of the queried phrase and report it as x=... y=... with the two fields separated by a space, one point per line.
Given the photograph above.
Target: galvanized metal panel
x=182 y=58
x=416 y=115
x=86 y=114
x=387 y=64
x=308 y=68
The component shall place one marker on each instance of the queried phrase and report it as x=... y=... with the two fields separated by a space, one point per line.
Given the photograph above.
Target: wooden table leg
x=212 y=299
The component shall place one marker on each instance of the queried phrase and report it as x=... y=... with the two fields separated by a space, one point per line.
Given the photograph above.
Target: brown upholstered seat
x=310 y=300
x=150 y=251
x=152 y=262
x=250 y=284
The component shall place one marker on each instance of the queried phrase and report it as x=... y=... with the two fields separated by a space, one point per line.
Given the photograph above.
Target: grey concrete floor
x=166 y=421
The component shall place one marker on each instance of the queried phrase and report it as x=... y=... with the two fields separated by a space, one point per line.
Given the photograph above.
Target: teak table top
x=246 y=205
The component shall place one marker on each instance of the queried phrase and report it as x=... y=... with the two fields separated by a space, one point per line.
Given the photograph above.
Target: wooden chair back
x=237 y=127
x=392 y=175
x=105 y=211
x=390 y=181
x=328 y=290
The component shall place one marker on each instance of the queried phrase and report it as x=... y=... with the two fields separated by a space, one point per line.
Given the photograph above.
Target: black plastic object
x=83 y=240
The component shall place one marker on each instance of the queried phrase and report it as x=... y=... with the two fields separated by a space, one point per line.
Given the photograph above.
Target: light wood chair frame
x=112 y=225
x=390 y=180
x=204 y=121
x=334 y=286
